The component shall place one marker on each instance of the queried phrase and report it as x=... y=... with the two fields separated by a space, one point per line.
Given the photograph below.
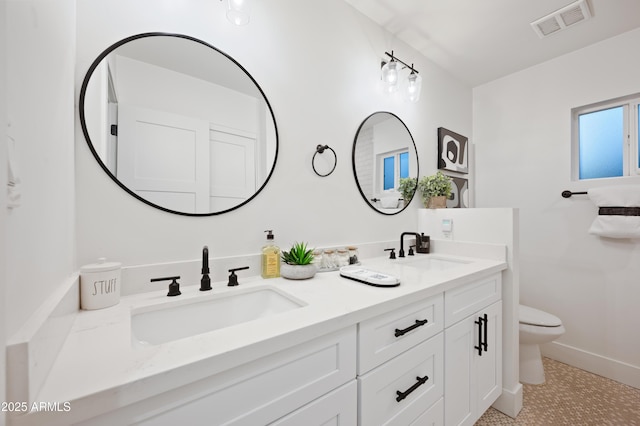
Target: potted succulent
x=297 y=262
x=435 y=190
x=407 y=188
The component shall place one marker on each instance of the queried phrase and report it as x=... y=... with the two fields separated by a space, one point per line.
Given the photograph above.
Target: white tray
x=369 y=277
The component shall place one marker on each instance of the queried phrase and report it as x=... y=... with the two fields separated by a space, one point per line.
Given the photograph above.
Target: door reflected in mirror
x=384 y=155
x=178 y=124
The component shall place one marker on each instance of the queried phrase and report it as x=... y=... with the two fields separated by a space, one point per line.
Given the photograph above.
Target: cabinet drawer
x=388 y=335
x=463 y=301
x=339 y=408
x=378 y=396
x=259 y=392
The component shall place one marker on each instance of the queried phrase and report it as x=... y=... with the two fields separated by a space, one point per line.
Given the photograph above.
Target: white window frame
x=631 y=143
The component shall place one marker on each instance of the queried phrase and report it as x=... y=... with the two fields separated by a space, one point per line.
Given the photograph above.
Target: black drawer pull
x=419 y=323
x=420 y=381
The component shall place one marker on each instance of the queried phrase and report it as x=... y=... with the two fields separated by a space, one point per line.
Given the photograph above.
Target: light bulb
x=390 y=76
x=413 y=87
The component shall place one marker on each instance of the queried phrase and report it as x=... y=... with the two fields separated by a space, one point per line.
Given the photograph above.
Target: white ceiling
x=481 y=40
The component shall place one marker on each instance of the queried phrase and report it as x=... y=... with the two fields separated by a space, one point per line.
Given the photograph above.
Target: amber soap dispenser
x=270 y=257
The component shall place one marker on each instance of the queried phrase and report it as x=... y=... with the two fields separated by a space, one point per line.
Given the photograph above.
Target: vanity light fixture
x=390 y=74
x=238 y=12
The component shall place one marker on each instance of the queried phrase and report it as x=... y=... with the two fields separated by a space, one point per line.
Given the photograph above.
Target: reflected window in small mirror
x=178 y=124
x=384 y=153
x=389 y=173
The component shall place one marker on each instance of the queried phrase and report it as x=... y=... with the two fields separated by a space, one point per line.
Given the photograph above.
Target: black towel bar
x=567 y=194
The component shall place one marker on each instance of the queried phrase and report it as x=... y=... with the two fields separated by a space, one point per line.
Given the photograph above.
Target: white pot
x=100 y=284
x=297 y=272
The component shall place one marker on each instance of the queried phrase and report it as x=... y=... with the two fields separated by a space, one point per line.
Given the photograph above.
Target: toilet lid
x=532 y=316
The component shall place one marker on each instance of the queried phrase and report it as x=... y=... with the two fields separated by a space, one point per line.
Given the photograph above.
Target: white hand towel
x=616 y=226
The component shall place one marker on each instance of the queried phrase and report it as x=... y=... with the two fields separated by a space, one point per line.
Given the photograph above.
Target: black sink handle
x=174 y=287
x=233 y=278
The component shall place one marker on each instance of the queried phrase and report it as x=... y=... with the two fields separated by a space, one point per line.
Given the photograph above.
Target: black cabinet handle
x=420 y=381
x=419 y=323
x=482 y=337
x=480 y=346
x=484 y=343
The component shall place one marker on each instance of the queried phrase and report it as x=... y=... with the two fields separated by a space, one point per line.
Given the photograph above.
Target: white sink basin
x=156 y=324
x=431 y=263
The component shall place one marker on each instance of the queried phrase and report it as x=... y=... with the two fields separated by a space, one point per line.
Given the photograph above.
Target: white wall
x=40 y=235
x=522 y=132
x=318 y=64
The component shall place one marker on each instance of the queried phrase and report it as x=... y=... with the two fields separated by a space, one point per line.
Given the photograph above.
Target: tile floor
x=575 y=397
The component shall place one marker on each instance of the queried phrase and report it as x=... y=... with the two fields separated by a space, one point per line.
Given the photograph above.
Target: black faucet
x=401 y=252
x=205 y=282
x=422 y=243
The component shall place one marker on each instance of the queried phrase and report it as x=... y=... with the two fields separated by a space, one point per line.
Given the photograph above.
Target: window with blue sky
x=606 y=140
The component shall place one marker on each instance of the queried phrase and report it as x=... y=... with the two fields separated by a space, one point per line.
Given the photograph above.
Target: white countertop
x=99 y=369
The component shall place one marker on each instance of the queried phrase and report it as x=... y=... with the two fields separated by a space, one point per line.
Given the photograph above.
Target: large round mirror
x=385 y=163
x=178 y=124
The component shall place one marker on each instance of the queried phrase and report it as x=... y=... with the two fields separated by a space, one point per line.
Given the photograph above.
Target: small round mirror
x=385 y=163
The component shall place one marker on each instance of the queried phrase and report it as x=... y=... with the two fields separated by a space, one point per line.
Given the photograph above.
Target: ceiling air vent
x=561 y=19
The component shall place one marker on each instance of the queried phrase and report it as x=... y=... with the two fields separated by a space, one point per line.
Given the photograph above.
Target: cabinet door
x=489 y=365
x=459 y=403
x=473 y=378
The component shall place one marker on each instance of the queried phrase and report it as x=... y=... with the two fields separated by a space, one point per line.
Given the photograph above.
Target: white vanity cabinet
x=400 y=365
x=285 y=388
x=473 y=350
x=433 y=361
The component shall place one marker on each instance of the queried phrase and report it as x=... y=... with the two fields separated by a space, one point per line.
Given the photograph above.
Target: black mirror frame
x=85 y=131
x=353 y=163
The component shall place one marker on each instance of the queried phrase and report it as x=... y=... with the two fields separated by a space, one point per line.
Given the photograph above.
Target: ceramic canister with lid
x=100 y=284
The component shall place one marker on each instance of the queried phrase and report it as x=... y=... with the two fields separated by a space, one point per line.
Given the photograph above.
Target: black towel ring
x=319 y=150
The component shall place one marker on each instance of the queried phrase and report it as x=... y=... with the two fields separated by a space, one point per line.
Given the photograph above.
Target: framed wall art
x=459 y=193
x=453 y=151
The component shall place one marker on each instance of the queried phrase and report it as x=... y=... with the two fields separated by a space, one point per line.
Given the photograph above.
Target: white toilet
x=536 y=327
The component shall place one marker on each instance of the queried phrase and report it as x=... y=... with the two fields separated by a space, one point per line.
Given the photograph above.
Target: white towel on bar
x=616 y=226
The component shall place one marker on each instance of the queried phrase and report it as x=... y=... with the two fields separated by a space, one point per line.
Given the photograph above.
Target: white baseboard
x=510 y=402
x=594 y=363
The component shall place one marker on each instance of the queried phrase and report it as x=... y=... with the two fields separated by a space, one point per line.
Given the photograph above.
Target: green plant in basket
x=435 y=186
x=435 y=190
x=299 y=254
